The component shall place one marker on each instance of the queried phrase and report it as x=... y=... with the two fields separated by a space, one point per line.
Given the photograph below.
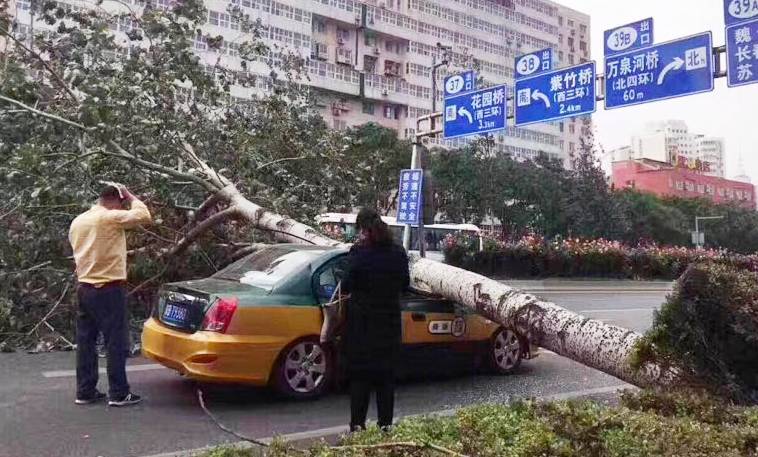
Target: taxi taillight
x=219 y=316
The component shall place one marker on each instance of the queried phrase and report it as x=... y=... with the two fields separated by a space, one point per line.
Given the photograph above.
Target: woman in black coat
x=377 y=275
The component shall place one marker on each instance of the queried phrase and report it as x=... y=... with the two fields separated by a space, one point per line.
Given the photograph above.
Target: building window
x=339 y=124
x=560 y=38
x=690 y=186
x=560 y=126
x=701 y=188
x=391 y=112
x=679 y=185
x=319 y=26
x=571 y=59
x=560 y=56
x=572 y=129
x=583 y=45
x=368 y=108
x=389 y=46
x=583 y=28
x=560 y=20
x=562 y=144
x=572 y=146
x=343 y=36
x=570 y=23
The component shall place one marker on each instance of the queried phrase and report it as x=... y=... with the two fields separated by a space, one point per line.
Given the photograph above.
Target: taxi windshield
x=267 y=267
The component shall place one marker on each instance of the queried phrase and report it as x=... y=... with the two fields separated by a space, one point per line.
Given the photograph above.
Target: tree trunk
x=607 y=348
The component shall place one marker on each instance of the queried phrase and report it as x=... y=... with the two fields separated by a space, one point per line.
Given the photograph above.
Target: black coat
x=376 y=277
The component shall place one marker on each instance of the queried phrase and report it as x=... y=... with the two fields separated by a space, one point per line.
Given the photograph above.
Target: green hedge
x=645 y=424
x=532 y=256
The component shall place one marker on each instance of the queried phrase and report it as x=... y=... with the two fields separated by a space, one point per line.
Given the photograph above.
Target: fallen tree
x=132 y=120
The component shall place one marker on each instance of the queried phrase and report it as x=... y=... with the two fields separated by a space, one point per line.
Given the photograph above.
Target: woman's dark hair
x=377 y=232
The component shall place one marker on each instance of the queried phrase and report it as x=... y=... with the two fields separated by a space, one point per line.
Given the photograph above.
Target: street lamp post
x=697 y=238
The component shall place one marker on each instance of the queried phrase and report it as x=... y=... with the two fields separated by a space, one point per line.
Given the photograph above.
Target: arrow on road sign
x=537 y=95
x=464 y=112
x=677 y=64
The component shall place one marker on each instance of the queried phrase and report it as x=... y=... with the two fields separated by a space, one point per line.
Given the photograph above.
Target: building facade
x=573 y=49
x=371 y=60
x=664 y=179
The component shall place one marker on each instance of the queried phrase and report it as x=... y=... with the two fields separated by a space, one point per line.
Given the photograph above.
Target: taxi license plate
x=175 y=314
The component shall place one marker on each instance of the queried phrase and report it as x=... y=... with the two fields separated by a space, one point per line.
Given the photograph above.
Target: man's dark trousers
x=102 y=310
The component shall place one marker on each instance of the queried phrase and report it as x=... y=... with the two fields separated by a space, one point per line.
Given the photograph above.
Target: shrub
x=710 y=326
x=532 y=256
x=646 y=424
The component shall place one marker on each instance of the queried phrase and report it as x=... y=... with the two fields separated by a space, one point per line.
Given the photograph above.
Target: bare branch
x=45 y=115
x=49 y=313
x=55 y=75
x=229 y=213
x=208 y=204
x=274 y=162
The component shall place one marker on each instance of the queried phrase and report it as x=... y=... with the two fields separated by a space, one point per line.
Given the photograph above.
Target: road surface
x=38 y=417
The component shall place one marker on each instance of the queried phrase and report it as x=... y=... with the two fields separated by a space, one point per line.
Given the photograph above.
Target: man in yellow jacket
x=98 y=240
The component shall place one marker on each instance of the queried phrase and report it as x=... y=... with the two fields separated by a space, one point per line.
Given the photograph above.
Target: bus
x=343 y=224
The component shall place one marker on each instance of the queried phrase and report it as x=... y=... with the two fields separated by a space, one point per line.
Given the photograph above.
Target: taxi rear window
x=268 y=266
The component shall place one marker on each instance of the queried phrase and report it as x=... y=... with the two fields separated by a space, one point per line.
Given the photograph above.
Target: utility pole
x=697 y=239
x=415 y=154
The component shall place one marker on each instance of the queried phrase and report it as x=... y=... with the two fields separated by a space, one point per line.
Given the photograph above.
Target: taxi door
x=435 y=333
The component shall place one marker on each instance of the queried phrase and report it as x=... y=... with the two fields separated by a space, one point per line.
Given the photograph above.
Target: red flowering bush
x=533 y=256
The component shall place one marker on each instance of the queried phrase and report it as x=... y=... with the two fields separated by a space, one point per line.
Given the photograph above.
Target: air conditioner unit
x=340 y=40
x=376 y=51
x=385 y=92
x=357 y=20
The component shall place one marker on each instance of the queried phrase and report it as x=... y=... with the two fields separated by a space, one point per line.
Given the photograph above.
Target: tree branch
x=274 y=162
x=192 y=235
x=43 y=61
x=44 y=114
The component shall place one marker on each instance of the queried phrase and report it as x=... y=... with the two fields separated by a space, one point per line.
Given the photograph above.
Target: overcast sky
x=728 y=113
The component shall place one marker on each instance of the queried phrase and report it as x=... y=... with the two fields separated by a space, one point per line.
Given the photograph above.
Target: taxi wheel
x=304 y=369
x=505 y=351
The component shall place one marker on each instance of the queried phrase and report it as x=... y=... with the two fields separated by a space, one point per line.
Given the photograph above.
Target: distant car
x=258 y=322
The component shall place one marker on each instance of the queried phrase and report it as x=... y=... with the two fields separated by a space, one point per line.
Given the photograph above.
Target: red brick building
x=665 y=179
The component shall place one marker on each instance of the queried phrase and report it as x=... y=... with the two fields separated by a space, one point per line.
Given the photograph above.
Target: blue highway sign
x=668 y=70
x=460 y=83
x=742 y=53
x=476 y=112
x=409 y=204
x=628 y=37
x=534 y=63
x=736 y=11
x=556 y=95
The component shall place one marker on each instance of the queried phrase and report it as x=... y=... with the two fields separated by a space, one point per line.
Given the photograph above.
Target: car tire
x=304 y=370
x=506 y=350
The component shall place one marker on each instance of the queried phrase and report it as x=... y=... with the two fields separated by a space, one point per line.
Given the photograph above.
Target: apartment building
x=371 y=60
x=573 y=48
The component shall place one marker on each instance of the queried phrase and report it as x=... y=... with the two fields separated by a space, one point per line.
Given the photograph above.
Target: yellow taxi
x=258 y=322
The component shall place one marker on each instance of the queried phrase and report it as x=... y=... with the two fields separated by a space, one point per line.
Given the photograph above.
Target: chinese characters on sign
x=556 y=95
x=668 y=70
x=693 y=165
x=409 y=204
x=628 y=37
x=476 y=112
x=458 y=84
x=534 y=63
x=742 y=53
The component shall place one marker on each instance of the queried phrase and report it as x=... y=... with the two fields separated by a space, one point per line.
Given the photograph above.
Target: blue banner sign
x=628 y=37
x=409 y=202
x=736 y=11
x=556 y=95
x=742 y=53
x=668 y=70
x=476 y=112
x=534 y=63
x=460 y=83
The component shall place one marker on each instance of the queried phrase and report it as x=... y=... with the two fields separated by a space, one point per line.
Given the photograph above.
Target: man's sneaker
x=127 y=400
x=96 y=397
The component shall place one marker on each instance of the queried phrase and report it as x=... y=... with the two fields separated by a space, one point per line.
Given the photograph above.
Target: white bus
x=344 y=224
